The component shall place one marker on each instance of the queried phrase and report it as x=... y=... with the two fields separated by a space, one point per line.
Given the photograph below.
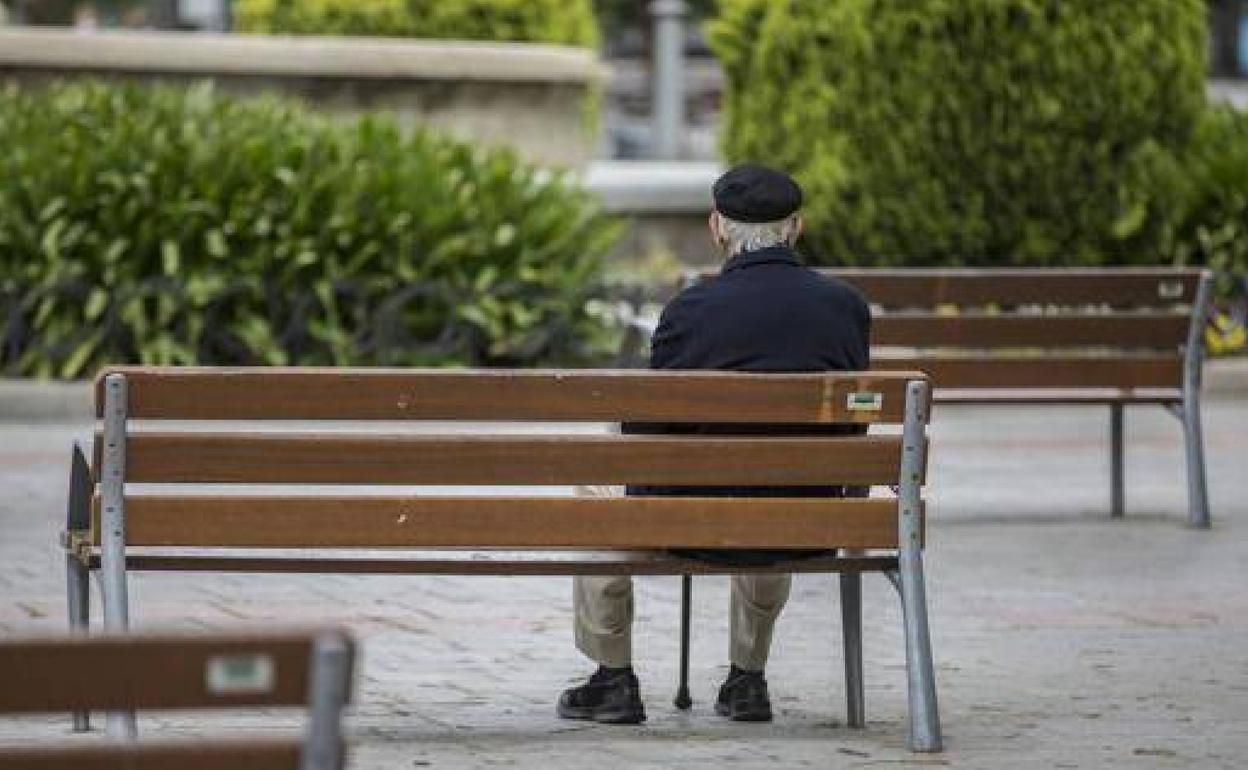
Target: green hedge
x=566 y=22
x=178 y=227
x=1210 y=222
x=967 y=131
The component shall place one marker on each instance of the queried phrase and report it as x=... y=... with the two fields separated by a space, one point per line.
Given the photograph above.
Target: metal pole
x=920 y=674
x=1117 y=485
x=668 y=86
x=330 y=688
x=113 y=524
x=1194 y=441
x=851 y=632
x=683 y=699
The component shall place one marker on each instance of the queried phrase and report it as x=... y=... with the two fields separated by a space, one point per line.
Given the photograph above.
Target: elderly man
x=764 y=312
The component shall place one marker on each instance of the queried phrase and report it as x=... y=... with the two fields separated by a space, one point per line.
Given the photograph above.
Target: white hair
x=752 y=236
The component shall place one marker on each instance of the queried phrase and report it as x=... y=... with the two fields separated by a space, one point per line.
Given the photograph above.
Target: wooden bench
x=177 y=526
x=1098 y=336
x=311 y=670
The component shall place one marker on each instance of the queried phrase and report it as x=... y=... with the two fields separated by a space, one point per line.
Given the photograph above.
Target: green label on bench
x=865 y=402
x=237 y=674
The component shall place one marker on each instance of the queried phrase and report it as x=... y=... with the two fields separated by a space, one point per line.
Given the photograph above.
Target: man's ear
x=717 y=235
x=797 y=227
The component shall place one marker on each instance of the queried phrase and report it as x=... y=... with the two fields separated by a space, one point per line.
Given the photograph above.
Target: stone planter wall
x=529 y=96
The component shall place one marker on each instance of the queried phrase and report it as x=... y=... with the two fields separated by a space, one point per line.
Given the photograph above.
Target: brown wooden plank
x=928 y=287
x=1119 y=287
x=1051 y=371
x=1158 y=331
x=190 y=393
x=255 y=754
x=465 y=562
x=145 y=672
x=339 y=458
x=509 y=522
x=1058 y=396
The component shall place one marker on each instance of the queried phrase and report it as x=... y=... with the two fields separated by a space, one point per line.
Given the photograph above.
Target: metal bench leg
x=78 y=594
x=1194 y=446
x=851 y=631
x=1117 y=486
x=683 y=700
x=920 y=676
x=121 y=724
x=1194 y=442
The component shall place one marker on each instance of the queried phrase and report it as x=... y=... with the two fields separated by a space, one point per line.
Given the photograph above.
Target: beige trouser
x=604 y=612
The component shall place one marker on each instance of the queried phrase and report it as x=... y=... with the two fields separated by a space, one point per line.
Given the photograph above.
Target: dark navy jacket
x=764 y=312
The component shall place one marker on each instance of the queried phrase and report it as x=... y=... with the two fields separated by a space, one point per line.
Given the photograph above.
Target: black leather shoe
x=611 y=696
x=743 y=697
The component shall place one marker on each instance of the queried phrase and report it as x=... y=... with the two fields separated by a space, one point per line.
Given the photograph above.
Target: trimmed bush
x=176 y=227
x=565 y=22
x=1211 y=216
x=966 y=131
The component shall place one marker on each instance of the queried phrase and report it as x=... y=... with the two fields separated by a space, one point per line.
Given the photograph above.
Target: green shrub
x=1211 y=215
x=175 y=227
x=566 y=22
x=966 y=131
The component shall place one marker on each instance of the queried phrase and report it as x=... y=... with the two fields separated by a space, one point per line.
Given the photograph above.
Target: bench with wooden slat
x=348 y=470
x=1098 y=336
x=125 y=673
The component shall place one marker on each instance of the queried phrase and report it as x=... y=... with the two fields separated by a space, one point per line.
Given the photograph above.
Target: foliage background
x=941 y=132
x=566 y=22
x=171 y=227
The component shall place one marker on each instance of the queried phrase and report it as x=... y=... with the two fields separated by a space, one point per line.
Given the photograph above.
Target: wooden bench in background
x=1097 y=336
x=311 y=670
x=179 y=526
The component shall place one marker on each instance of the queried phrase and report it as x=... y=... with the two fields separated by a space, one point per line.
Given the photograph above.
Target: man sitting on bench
x=764 y=312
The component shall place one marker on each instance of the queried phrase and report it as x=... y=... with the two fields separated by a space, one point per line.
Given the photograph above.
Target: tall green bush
x=966 y=131
x=565 y=22
x=1211 y=212
x=173 y=227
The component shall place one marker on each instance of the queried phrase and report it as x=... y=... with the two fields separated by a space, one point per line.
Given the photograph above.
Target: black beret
x=752 y=193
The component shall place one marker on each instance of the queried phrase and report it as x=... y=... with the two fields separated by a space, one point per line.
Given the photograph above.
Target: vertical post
x=330 y=688
x=851 y=632
x=1194 y=442
x=920 y=675
x=121 y=725
x=1117 y=485
x=683 y=699
x=667 y=77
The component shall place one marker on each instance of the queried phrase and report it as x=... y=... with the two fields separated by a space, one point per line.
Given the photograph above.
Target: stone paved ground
x=1062 y=639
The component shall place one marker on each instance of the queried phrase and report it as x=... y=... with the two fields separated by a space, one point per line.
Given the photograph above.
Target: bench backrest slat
x=526 y=522
x=191 y=393
x=192 y=755
x=332 y=458
x=979 y=287
x=50 y=675
x=1135 y=331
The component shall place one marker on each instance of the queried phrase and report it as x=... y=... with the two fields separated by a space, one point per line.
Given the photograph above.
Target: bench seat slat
x=336 y=458
x=464 y=562
x=509 y=522
x=307 y=393
x=1042 y=371
x=1157 y=331
x=255 y=754
x=49 y=675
